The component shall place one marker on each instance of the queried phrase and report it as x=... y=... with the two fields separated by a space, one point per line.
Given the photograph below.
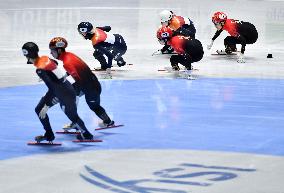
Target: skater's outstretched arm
x=218 y=32
x=105 y=28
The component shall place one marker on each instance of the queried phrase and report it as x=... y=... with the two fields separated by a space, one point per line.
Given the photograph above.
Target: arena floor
x=220 y=133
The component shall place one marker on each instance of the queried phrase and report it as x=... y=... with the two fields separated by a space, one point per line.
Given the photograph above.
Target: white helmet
x=166 y=16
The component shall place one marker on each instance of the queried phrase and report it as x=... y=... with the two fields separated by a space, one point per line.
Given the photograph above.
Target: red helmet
x=58 y=42
x=219 y=17
x=164 y=33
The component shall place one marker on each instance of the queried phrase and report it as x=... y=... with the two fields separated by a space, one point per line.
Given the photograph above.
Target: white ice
x=137 y=22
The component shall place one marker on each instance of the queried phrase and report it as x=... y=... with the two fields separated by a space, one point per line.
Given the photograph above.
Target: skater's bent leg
x=43 y=118
x=101 y=58
x=93 y=101
x=180 y=59
x=41 y=110
x=230 y=44
x=70 y=110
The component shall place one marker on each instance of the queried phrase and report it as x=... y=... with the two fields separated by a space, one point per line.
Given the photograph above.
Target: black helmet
x=30 y=50
x=85 y=27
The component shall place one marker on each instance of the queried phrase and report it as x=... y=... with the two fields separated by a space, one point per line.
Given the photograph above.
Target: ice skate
x=103 y=124
x=187 y=74
x=69 y=127
x=110 y=125
x=121 y=62
x=99 y=69
x=85 y=136
x=48 y=136
x=173 y=68
x=230 y=49
x=168 y=69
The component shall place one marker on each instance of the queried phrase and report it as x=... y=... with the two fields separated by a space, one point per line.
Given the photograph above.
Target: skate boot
x=189 y=67
x=121 y=62
x=175 y=67
x=85 y=136
x=230 y=49
x=99 y=69
x=103 y=124
x=48 y=136
x=69 y=127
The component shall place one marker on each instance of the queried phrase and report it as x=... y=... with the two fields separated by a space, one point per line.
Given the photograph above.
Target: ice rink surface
x=220 y=133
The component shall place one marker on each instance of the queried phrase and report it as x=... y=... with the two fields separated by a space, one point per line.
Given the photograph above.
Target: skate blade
x=68 y=132
x=224 y=54
x=110 y=127
x=87 y=141
x=44 y=143
x=101 y=70
x=232 y=54
x=164 y=70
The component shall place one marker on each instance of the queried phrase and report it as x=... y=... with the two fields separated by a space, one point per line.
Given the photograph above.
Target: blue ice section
x=233 y=115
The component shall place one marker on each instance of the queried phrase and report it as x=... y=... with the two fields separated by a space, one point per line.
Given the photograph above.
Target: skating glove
x=167 y=49
x=241 y=58
x=210 y=45
x=42 y=113
x=158 y=52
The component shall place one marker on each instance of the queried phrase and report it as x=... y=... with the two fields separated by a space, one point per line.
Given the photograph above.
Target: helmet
x=58 y=42
x=164 y=33
x=30 y=50
x=219 y=17
x=166 y=16
x=85 y=27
